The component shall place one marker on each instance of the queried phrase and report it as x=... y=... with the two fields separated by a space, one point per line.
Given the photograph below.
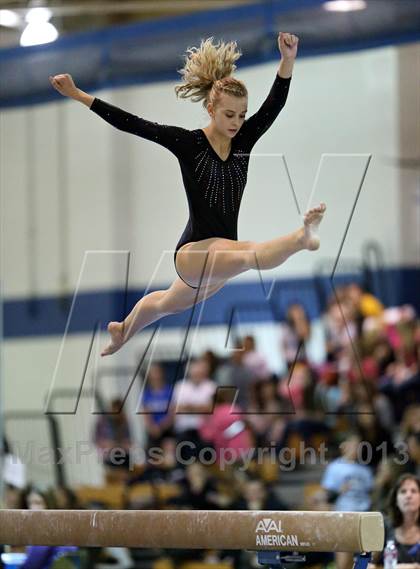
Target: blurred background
x=324 y=350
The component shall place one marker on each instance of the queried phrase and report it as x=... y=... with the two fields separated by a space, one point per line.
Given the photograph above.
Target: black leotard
x=214 y=186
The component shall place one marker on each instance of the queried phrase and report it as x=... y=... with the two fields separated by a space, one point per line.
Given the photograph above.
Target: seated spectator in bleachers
x=155 y=405
x=404 y=460
x=410 y=420
x=199 y=492
x=365 y=304
x=162 y=467
x=328 y=390
x=213 y=362
x=385 y=478
x=340 y=330
x=401 y=382
x=267 y=416
x=383 y=354
x=296 y=332
x=255 y=495
x=65 y=498
x=225 y=429
x=307 y=430
x=112 y=436
x=255 y=361
x=295 y=386
x=39 y=556
x=235 y=373
x=413 y=448
x=403 y=525
x=360 y=390
x=191 y=403
x=366 y=422
x=348 y=483
x=348 y=486
x=199 y=489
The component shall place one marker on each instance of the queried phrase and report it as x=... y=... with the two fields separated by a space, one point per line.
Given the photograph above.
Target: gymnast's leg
x=215 y=259
x=153 y=306
x=209 y=264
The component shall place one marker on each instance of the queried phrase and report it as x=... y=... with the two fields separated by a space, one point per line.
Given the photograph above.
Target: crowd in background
x=356 y=417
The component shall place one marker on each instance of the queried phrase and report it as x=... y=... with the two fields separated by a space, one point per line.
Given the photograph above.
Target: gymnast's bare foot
x=117 y=334
x=311 y=221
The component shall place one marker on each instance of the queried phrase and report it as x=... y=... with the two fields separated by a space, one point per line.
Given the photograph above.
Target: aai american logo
x=265 y=530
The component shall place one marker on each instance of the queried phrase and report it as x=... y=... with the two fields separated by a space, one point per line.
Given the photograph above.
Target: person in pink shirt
x=225 y=429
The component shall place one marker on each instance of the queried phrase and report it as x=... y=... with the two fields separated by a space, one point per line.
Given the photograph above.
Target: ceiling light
x=37 y=15
x=38 y=33
x=9 y=19
x=344 y=5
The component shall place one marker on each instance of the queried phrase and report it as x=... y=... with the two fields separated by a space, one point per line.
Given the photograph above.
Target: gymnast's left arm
x=261 y=121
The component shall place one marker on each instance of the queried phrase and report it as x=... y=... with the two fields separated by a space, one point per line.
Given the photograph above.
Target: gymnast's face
x=228 y=114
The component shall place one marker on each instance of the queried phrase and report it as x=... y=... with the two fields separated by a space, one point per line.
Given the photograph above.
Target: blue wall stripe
x=47 y=316
x=162 y=25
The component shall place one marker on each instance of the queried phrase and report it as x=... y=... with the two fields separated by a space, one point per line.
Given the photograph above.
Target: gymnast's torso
x=214 y=187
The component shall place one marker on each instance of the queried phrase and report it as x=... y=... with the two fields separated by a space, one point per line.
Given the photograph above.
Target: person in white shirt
x=192 y=400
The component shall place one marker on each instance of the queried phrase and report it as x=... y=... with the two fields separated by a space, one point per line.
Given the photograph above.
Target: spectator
x=163 y=467
x=155 y=405
x=226 y=429
x=384 y=481
x=268 y=417
x=236 y=374
x=192 y=401
x=413 y=448
x=39 y=556
x=365 y=304
x=296 y=332
x=403 y=526
x=254 y=360
x=377 y=441
x=341 y=331
x=199 y=489
x=65 y=498
x=257 y=496
x=113 y=439
x=410 y=420
x=348 y=485
x=212 y=361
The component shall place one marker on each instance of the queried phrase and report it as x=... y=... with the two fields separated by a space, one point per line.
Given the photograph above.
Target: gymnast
x=214 y=163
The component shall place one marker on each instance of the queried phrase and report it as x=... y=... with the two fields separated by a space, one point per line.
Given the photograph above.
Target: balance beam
x=195 y=529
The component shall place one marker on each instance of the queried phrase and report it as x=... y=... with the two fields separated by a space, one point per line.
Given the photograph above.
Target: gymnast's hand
x=288 y=44
x=64 y=84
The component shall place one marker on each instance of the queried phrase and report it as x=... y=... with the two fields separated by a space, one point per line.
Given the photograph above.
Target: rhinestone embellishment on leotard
x=225 y=179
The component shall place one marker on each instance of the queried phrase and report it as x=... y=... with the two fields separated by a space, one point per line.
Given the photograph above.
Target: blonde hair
x=208 y=72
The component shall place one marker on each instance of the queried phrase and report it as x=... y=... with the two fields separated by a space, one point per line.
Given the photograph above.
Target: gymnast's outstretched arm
x=171 y=137
x=260 y=122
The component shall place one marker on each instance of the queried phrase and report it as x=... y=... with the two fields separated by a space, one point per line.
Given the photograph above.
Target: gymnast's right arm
x=168 y=136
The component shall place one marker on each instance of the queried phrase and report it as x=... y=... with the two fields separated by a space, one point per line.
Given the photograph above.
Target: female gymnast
x=214 y=164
